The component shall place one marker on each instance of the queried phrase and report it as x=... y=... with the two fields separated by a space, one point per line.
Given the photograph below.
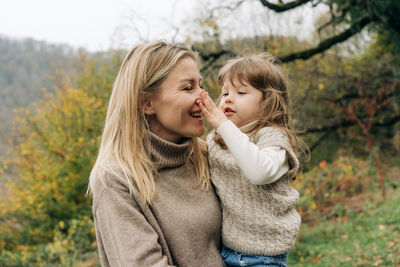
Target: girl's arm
x=260 y=166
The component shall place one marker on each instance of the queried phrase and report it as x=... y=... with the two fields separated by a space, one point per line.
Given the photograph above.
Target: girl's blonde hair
x=262 y=72
x=125 y=144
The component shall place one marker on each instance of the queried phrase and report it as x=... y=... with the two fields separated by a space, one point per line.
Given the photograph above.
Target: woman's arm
x=124 y=236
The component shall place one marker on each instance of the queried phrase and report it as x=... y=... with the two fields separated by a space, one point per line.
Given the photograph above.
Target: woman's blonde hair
x=125 y=144
x=263 y=73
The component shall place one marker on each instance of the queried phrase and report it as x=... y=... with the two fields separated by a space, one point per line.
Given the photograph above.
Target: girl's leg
x=233 y=258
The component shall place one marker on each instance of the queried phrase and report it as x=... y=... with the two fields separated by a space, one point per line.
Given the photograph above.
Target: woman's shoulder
x=108 y=181
x=105 y=176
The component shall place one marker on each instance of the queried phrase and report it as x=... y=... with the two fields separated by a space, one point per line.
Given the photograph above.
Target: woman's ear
x=148 y=108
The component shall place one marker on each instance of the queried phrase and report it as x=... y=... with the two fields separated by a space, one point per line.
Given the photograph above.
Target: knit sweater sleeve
x=126 y=237
x=260 y=164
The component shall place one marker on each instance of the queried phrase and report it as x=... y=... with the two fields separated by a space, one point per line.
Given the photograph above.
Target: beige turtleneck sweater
x=180 y=228
x=257 y=218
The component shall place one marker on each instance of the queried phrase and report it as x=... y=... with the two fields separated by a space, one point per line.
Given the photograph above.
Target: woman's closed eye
x=190 y=87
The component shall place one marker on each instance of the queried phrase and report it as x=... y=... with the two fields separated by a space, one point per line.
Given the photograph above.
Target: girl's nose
x=228 y=99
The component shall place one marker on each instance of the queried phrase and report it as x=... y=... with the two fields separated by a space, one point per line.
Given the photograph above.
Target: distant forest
x=27 y=67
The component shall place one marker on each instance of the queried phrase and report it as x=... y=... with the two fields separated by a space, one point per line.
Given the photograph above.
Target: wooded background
x=346 y=94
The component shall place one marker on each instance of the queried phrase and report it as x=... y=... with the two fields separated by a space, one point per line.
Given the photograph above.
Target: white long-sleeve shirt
x=260 y=166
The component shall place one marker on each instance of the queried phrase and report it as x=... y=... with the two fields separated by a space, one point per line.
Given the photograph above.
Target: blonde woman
x=152 y=200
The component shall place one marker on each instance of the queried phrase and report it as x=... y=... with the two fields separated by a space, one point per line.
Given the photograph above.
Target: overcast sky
x=102 y=24
x=93 y=24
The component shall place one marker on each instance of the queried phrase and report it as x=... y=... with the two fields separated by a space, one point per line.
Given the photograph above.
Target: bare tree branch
x=283 y=7
x=239 y=3
x=320 y=139
x=211 y=58
x=231 y=8
x=326 y=44
x=388 y=121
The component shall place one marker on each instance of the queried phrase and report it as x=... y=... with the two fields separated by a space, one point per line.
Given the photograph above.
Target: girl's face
x=240 y=103
x=174 y=112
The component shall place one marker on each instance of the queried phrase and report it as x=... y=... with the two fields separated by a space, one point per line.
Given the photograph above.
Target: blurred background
x=58 y=60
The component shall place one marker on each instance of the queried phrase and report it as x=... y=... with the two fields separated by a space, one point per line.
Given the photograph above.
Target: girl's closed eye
x=188 y=88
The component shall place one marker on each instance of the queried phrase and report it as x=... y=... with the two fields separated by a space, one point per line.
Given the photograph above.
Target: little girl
x=252 y=155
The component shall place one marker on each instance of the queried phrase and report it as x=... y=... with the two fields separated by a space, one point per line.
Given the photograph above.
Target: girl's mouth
x=228 y=111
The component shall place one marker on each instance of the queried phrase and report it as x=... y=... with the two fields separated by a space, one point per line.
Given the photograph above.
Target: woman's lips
x=196 y=114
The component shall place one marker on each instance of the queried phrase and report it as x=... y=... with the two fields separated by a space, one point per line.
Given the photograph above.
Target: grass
x=370 y=238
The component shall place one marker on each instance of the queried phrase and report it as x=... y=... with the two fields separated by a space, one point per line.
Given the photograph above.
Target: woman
x=152 y=200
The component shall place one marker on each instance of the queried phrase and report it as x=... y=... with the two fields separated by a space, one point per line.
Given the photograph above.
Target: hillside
x=26 y=67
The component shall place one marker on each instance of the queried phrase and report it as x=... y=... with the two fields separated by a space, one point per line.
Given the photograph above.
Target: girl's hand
x=214 y=116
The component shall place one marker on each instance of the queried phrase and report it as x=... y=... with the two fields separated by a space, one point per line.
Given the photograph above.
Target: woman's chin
x=196 y=132
x=197 y=129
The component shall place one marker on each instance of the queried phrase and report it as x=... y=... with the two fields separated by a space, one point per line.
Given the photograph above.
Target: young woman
x=152 y=200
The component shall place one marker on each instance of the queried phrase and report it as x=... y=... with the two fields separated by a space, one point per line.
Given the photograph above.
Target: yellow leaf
x=390 y=244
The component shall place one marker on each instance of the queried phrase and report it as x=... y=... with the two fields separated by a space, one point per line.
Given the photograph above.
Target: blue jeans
x=233 y=258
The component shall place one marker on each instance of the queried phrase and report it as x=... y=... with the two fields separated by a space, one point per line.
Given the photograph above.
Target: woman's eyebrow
x=190 y=80
x=187 y=80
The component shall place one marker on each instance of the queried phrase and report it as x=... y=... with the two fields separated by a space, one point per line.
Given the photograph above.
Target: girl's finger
x=204 y=100
x=203 y=109
x=209 y=101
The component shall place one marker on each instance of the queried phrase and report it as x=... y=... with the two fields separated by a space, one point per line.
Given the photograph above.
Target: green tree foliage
x=98 y=72
x=328 y=86
x=27 y=66
x=56 y=149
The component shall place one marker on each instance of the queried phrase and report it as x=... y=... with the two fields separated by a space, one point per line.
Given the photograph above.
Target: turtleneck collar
x=248 y=127
x=167 y=154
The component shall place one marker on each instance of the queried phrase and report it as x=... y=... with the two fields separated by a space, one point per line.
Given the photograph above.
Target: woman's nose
x=197 y=94
x=198 y=90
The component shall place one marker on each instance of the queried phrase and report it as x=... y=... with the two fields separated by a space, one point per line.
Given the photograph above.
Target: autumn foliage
x=45 y=217
x=57 y=147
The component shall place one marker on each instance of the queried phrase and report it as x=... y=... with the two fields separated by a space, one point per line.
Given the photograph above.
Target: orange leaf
x=315 y=259
x=322 y=164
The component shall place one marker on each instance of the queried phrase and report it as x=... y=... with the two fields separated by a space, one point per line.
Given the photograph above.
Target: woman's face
x=174 y=112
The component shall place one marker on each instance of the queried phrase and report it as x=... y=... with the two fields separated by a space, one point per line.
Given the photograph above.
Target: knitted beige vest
x=257 y=219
